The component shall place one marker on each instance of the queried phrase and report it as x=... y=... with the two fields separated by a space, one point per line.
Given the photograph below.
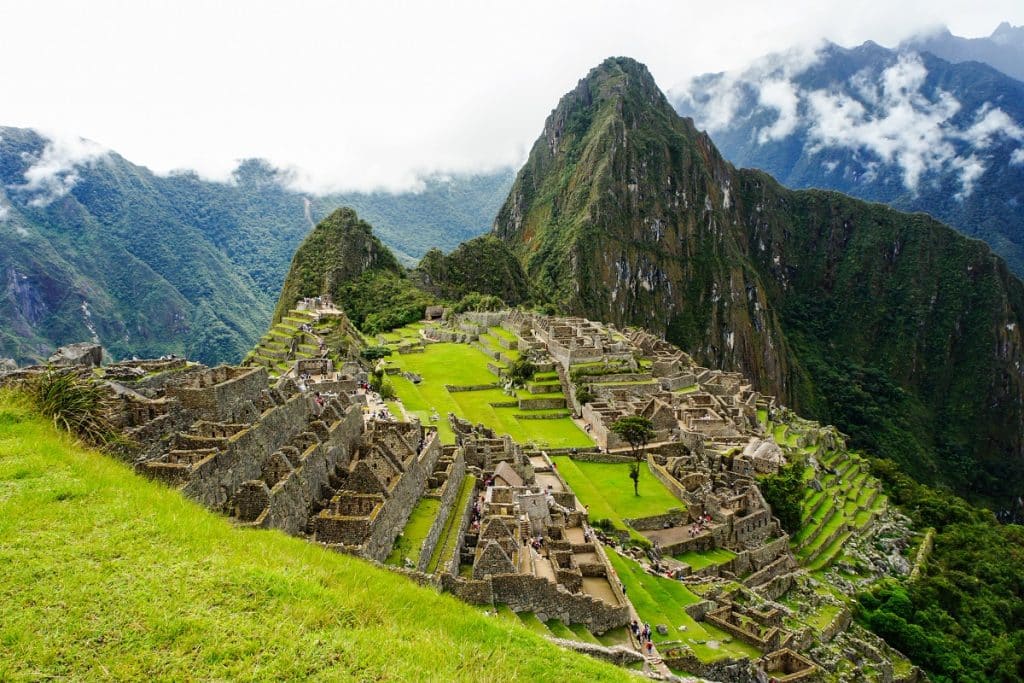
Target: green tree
x=784 y=491
x=521 y=371
x=637 y=431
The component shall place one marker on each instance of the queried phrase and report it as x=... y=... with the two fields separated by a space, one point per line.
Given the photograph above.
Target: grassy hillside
x=104 y=575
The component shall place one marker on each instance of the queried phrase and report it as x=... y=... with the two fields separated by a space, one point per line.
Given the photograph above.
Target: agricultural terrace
x=462 y=365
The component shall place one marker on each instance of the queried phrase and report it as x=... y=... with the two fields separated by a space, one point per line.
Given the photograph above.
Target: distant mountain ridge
x=897 y=126
x=891 y=326
x=1003 y=50
x=99 y=248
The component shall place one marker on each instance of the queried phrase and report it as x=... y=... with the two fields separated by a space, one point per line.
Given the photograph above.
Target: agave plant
x=75 y=402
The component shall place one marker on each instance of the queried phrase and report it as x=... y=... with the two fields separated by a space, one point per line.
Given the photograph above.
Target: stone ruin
x=261 y=450
x=529 y=544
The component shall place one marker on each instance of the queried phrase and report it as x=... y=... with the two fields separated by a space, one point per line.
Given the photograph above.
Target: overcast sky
x=376 y=94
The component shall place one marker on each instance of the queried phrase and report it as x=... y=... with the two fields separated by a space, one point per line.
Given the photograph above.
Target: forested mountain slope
x=892 y=326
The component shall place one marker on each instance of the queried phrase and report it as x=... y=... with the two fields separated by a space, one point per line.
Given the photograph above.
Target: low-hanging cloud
x=903 y=126
x=780 y=95
x=887 y=117
x=54 y=171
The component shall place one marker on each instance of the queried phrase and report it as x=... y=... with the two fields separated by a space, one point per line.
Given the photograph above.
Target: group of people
x=700 y=525
x=474 y=519
x=642 y=632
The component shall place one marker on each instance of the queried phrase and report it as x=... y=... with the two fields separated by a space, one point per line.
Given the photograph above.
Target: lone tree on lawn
x=637 y=430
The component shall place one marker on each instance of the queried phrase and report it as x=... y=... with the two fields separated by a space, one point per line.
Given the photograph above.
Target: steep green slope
x=484 y=265
x=343 y=259
x=892 y=326
x=110 y=259
x=110 y=576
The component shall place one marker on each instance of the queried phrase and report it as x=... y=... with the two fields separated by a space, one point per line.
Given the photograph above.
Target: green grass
x=409 y=544
x=503 y=333
x=106 y=575
x=464 y=365
x=450 y=534
x=699 y=560
x=608 y=490
x=662 y=601
x=560 y=630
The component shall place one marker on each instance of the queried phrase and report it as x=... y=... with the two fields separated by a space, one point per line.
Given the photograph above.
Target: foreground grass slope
x=104 y=575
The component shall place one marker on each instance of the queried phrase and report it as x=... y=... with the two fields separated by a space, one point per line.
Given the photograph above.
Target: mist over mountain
x=897 y=126
x=1003 y=50
x=99 y=248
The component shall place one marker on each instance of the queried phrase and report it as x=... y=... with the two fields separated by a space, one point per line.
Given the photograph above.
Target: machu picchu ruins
x=298 y=439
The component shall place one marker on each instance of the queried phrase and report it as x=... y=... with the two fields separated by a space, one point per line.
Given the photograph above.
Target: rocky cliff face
x=624 y=213
x=484 y=265
x=893 y=326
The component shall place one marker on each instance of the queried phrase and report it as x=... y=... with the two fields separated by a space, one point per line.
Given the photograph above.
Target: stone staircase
x=285 y=343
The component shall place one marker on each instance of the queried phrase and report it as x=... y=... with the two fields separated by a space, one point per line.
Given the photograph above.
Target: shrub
x=386 y=391
x=76 y=403
x=521 y=371
x=584 y=394
x=373 y=353
x=784 y=492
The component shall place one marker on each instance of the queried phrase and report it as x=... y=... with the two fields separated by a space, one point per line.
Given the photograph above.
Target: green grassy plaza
x=707 y=558
x=608 y=490
x=463 y=365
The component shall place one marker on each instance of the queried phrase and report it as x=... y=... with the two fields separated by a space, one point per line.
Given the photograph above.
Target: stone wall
x=541 y=403
x=670 y=482
x=215 y=482
x=527 y=593
x=618 y=655
x=449 y=494
x=292 y=499
x=222 y=394
x=451 y=566
x=659 y=521
x=401 y=500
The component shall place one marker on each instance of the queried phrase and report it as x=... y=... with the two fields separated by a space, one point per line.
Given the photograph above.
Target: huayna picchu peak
x=652 y=416
x=894 y=327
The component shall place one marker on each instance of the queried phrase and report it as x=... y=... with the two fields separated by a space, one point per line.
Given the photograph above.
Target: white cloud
x=1017 y=158
x=780 y=95
x=990 y=122
x=903 y=127
x=4 y=212
x=971 y=168
x=361 y=95
x=53 y=173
